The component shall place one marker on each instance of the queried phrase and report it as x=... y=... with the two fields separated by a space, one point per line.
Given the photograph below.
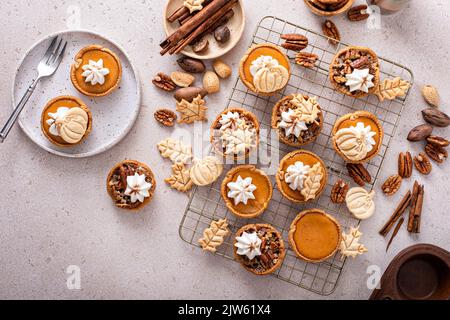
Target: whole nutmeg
x=222 y=34
x=211 y=82
x=420 y=132
x=191 y=65
x=222 y=69
x=431 y=95
x=200 y=46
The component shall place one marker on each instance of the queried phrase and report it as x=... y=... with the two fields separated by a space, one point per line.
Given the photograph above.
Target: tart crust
x=79 y=64
x=249 y=82
x=282 y=248
x=322 y=237
x=342 y=88
x=215 y=141
x=296 y=195
x=260 y=204
x=354 y=117
x=276 y=116
x=148 y=173
x=44 y=126
x=325 y=13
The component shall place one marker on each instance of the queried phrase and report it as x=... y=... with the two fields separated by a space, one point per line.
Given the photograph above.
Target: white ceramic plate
x=113 y=115
x=236 y=26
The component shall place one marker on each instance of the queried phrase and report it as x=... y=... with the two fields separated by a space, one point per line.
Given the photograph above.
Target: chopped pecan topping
x=339 y=191
x=438 y=141
x=295 y=42
x=436 y=153
x=359 y=173
x=306 y=59
x=331 y=31
x=422 y=163
x=163 y=81
x=166 y=117
x=358 y=13
x=391 y=185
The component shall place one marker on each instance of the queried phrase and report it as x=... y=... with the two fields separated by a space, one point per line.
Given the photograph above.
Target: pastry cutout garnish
x=268 y=74
x=390 y=89
x=68 y=123
x=356 y=142
x=360 y=203
x=239 y=140
x=213 y=237
x=138 y=188
x=180 y=180
x=241 y=190
x=206 y=171
x=192 y=111
x=175 y=150
x=193 y=5
x=95 y=72
x=307 y=108
x=350 y=246
x=312 y=182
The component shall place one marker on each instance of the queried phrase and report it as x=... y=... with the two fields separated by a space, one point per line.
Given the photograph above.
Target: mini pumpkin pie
x=265 y=69
x=131 y=185
x=235 y=133
x=97 y=71
x=66 y=121
x=298 y=119
x=314 y=235
x=355 y=71
x=302 y=176
x=259 y=248
x=357 y=137
x=246 y=191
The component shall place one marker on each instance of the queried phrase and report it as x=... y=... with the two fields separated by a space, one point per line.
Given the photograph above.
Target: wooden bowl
x=324 y=13
x=215 y=50
x=420 y=272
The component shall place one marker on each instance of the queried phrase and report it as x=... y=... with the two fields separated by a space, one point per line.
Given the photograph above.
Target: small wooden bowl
x=215 y=50
x=324 y=13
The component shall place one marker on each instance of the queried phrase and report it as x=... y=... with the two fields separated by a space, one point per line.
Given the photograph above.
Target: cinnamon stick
x=225 y=18
x=416 y=208
x=186 y=17
x=178 y=13
x=203 y=27
x=203 y=16
x=401 y=208
x=397 y=228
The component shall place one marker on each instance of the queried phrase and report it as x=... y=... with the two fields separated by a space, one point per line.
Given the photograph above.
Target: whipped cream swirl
x=359 y=80
x=138 y=188
x=95 y=72
x=296 y=175
x=249 y=245
x=290 y=122
x=241 y=190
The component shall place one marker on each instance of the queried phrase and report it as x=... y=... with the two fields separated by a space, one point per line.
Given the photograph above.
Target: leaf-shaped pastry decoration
x=238 y=141
x=175 y=150
x=192 y=111
x=213 y=237
x=181 y=179
x=312 y=182
x=307 y=109
x=390 y=89
x=350 y=246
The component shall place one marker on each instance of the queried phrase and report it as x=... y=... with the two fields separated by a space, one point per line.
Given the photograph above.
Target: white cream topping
x=248 y=244
x=230 y=120
x=68 y=123
x=290 y=122
x=138 y=188
x=94 y=72
x=359 y=80
x=241 y=190
x=296 y=175
x=356 y=142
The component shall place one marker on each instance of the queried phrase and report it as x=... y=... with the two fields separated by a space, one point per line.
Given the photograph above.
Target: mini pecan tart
x=357 y=137
x=355 y=71
x=96 y=72
x=298 y=119
x=302 y=176
x=259 y=248
x=314 y=235
x=246 y=191
x=265 y=69
x=131 y=185
x=328 y=7
x=66 y=121
x=235 y=133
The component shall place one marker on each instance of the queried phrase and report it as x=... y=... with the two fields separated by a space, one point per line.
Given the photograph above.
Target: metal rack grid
x=206 y=203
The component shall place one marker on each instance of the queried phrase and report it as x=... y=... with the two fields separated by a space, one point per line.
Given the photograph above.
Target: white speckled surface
x=55 y=212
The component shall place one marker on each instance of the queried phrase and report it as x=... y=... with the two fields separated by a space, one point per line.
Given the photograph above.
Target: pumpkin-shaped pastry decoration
x=206 y=171
x=271 y=78
x=72 y=127
x=360 y=203
x=355 y=142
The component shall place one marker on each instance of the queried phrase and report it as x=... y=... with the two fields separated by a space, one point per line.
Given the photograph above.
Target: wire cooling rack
x=206 y=203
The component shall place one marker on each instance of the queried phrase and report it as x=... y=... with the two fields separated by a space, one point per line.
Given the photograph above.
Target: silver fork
x=47 y=67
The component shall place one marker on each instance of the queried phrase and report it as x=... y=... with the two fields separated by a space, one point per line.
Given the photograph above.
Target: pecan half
x=306 y=59
x=361 y=63
x=163 y=81
x=438 y=141
x=166 y=117
x=339 y=191
x=358 y=13
x=422 y=163
x=331 y=31
x=436 y=153
x=359 y=173
x=295 y=42
x=405 y=164
x=391 y=185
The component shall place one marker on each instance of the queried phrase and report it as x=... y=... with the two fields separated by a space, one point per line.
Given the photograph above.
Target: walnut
x=306 y=59
x=165 y=117
x=391 y=185
x=164 y=82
